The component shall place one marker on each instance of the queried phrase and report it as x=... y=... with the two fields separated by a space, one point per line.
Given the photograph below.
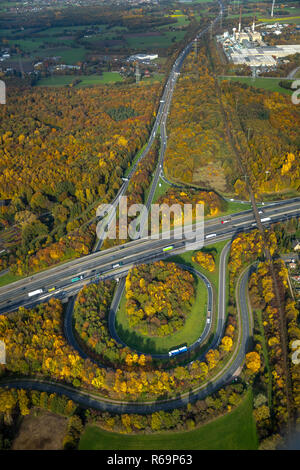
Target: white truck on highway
x=35 y=292
x=211 y=235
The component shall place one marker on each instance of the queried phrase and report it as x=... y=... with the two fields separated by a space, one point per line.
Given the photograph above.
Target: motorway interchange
x=64 y=281
x=116 y=261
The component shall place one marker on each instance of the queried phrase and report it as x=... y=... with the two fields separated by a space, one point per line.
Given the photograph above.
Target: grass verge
x=8 y=278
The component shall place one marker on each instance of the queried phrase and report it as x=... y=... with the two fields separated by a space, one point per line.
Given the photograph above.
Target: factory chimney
x=240 y=22
x=272 y=11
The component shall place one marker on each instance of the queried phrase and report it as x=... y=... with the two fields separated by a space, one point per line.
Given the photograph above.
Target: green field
x=180 y=17
x=4 y=5
x=63 y=30
x=293 y=18
x=50 y=47
x=89 y=80
x=69 y=56
x=234 y=431
x=235 y=207
x=106 y=33
x=270 y=84
x=182 y=20
x=186 y=258
x=189 y=333
x=73 y=43
x=163 y=39
x=156 y=77
x=8 y=278
x=193 y=327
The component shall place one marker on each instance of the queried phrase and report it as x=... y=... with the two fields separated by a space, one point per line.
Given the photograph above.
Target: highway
x=117 y=260
x=162 y=110
x=105 y=216
x=65 y=280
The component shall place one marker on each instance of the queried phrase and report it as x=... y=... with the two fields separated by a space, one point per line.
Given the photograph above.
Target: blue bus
x=175 y=352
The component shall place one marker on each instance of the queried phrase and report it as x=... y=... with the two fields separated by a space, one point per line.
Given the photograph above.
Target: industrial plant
x=246 y=46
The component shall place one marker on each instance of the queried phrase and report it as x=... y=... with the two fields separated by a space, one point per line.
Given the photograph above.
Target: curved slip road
x=92 y=400
x=117 y=299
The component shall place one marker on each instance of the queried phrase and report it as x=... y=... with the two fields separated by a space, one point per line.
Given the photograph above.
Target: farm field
x=234 y=431
x=74 y=42
x=182 y=20
x=162 y=39
x=90 y=80
x=195 y=1
x=286 y=19
x=4 y=5
x=69 y=56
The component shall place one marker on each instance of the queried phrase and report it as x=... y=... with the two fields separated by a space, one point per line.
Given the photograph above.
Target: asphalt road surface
x=92 y=400
x=117 y=260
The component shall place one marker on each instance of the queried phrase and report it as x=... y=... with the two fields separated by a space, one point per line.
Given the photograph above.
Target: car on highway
x=225 y=221
x=211 y=235
x=78 y=278
x=167 y=248
x=117 y=265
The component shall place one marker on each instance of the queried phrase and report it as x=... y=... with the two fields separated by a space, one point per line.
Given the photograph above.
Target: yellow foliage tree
x=253 y=362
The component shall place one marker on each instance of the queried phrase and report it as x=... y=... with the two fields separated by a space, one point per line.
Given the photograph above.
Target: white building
x=142 y=57
x=262 y=56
